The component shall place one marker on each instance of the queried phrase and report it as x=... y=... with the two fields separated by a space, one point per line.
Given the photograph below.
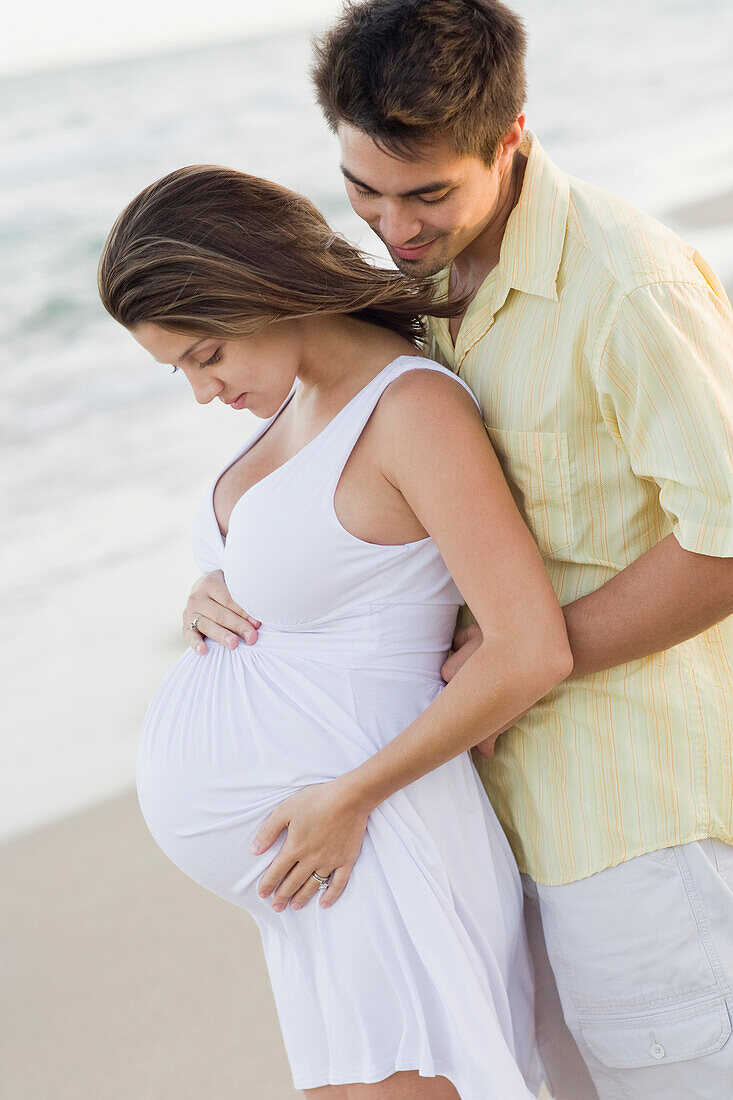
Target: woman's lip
x=411 y=253
x=239 y=402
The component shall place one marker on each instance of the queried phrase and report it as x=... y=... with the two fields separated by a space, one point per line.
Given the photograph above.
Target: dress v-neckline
x=265 y=428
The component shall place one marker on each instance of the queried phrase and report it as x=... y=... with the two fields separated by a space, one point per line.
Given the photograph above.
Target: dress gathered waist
x=328 y=646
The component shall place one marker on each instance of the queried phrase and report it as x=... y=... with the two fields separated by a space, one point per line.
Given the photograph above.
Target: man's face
x=426 y=209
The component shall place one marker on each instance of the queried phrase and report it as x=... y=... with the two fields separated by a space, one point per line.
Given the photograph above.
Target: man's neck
x=480 y=257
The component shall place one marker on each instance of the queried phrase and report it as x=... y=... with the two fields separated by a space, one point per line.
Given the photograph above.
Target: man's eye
x=362 y=192
x=434 y=202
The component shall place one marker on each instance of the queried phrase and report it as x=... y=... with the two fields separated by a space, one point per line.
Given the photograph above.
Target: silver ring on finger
x=323 y=883
x=193 y=622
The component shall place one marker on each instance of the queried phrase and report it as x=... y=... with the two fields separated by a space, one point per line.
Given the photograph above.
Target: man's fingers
x=465 y=643
x=449 y=669
x=465 y=634
x=485 y=748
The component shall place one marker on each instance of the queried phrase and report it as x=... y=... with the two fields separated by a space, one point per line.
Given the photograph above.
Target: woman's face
x=254 y=372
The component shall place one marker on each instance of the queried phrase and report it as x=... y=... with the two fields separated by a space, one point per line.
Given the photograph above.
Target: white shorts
x=638 y=959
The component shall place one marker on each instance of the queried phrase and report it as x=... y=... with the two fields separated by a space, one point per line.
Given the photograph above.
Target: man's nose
x=397 y=227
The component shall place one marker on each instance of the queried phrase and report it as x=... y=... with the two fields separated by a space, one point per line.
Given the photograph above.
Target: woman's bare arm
x=461 y=497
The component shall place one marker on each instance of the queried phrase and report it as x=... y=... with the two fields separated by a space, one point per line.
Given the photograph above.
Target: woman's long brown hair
x=210 y=250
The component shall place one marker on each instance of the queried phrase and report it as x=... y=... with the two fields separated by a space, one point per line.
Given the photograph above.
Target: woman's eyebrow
x=192 y=348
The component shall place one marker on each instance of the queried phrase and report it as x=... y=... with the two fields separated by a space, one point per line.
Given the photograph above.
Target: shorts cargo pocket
x=673 y=1035
x=537 y=468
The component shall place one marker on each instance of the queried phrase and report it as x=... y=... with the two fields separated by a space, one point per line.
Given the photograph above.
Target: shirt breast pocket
x=537 y=467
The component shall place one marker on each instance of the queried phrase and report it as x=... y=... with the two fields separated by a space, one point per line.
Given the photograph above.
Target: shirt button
x=657 y=1051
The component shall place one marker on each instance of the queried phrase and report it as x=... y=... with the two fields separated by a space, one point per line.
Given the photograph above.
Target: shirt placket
x=468 y=338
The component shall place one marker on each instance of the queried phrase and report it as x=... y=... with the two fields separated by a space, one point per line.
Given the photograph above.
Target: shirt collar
x=534 y=236
x=531 y=249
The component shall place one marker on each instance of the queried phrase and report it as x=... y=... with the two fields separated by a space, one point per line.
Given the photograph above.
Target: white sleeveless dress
x=422 y=963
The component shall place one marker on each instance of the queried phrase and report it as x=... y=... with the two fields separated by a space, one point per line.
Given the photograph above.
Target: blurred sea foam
x=102 y=454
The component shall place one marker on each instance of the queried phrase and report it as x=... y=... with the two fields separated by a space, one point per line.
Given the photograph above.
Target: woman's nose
x=206 y=390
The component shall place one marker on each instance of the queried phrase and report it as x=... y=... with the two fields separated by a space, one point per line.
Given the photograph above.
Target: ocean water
x=103 y=454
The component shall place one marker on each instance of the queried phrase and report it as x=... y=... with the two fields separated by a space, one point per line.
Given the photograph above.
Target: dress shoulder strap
x=362 y=406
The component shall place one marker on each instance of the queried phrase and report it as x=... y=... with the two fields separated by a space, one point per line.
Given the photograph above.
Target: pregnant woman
x=352 y=524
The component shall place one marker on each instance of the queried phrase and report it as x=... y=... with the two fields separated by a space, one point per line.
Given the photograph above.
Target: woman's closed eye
x=214 y=359
x=209 y=362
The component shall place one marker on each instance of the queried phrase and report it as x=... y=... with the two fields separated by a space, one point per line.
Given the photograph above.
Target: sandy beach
x=125 y=980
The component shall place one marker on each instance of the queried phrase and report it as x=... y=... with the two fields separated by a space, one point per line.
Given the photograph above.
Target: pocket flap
x=675 y=1035
x=537 y=468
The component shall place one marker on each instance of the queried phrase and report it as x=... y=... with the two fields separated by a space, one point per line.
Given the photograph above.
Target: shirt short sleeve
x=666 y=387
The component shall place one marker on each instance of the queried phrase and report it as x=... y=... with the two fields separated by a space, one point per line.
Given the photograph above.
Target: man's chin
x=421 y=269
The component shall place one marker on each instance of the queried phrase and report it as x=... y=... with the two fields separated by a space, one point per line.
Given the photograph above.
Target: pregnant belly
x=229 y=735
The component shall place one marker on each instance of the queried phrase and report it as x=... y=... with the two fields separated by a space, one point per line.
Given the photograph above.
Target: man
x=598 y=344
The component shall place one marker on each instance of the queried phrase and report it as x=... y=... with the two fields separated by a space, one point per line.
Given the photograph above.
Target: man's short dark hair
x=408 y=71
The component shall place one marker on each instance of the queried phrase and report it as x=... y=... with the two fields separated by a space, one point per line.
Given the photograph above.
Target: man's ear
x=511 y=140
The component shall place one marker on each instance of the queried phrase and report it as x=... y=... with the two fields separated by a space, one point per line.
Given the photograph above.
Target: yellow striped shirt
x=600 y=350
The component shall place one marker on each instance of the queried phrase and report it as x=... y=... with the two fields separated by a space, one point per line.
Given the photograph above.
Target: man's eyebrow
x=428 y=189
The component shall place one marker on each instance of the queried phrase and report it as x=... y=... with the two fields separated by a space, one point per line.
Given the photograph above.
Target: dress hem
x=330 y=1077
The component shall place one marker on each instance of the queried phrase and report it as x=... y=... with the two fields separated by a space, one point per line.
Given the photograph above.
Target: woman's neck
x=338 y=349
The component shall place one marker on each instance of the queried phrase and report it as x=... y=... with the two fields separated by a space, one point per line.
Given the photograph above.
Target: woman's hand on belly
x=325 y=831
x=219 y=617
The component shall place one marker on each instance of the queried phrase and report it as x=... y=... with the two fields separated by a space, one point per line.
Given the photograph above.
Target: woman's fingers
x=206 y=628
x=294 y=885
x=306 y=892
x=277 y=872
x=217 y=615
x=299 y=890
x=289 y=885
x=336 y=887
x=217 y=623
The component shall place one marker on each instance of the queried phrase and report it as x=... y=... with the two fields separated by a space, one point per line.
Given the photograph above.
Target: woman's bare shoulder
x=428 y=393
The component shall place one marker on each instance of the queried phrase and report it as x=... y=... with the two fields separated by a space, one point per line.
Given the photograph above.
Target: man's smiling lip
x=409 y=253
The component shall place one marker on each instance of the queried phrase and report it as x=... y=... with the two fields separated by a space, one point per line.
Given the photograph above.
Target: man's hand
x=486 y=747
x=465 y=642
x=220 y=618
